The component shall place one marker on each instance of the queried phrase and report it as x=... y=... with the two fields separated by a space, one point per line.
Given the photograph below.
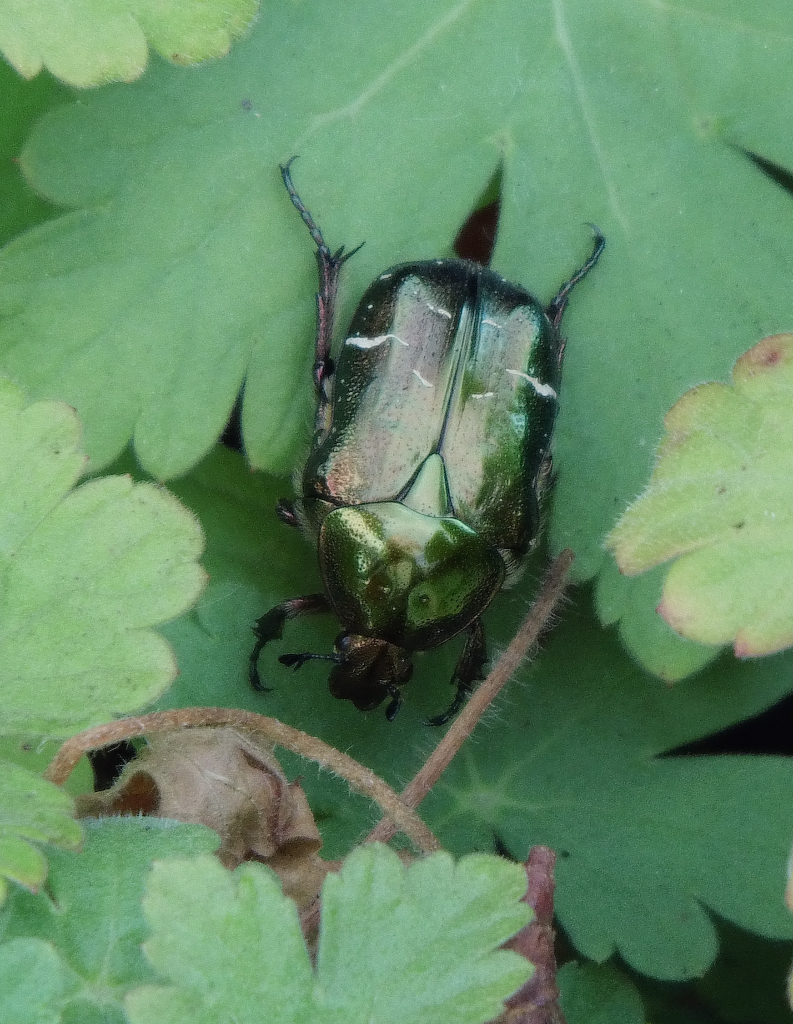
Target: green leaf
x=417 y=943
x=648 y=846
x=23 y=103
x=32 y=810
x=719 y=502
x=84 y=575
x=90 y=917
x=35 y=757
x=420 y=943
x=631 y=605
x=598 y=995
x=89 y=43
x=571 y=757
x=183 y=269
x=231 y=943
x=36 y=984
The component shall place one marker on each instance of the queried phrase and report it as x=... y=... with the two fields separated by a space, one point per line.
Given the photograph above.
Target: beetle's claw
x=396 y=703
x=253 y=669
x=462 y=695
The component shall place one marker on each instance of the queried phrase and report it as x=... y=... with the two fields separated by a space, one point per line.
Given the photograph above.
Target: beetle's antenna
x=558 y=303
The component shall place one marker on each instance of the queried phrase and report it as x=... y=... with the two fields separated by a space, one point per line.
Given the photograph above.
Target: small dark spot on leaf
x=738 y=526
x=721 y=489
x=772 y=356
x=246 y=105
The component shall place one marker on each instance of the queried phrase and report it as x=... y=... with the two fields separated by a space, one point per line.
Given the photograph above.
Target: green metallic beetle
x=430 y=458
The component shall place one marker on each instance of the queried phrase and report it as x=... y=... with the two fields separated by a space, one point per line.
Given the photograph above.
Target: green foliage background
x=163 y=268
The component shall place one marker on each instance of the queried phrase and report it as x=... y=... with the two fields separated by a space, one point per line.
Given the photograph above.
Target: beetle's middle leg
x=469 y=670
x=271 y=627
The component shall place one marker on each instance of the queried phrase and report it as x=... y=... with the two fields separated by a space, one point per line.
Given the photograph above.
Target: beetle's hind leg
x=271 y=627
x=469 y=670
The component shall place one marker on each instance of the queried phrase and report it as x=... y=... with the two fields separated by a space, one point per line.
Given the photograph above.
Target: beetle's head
x=404 y=579
x=368 y=671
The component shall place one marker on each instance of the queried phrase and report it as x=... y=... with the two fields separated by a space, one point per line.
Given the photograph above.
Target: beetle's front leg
x=271 y=627
x=329 y=266
x=469 y=669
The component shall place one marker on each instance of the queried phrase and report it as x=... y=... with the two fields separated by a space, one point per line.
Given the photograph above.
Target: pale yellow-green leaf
x=720 y=500
x=84 y=575
x=91 y=42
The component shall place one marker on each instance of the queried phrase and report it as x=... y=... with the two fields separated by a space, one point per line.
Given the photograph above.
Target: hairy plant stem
x=481 y=699
x=359 y=778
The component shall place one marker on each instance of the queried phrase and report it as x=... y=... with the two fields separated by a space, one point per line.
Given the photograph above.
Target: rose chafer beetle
x=430 y=458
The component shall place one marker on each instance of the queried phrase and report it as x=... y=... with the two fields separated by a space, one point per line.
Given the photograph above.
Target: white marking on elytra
x=439 y=310
x=542 y=389
x=483 y=394
x=384 y=277
x=423 y=380
x=492 y=323
x=364 y=343
x=439 y=263
x=370 y=306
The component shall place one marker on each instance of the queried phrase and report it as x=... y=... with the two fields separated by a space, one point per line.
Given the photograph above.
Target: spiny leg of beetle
x=469 y=669
x=271 y=627
x=558 y=304
x=329 y=266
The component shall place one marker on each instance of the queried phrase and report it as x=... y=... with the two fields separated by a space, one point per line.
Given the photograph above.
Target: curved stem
x=361 y=779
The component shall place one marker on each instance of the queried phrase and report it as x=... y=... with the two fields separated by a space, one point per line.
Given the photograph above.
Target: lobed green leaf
x=420 y=941
x=31 y=811
x=719 y=502
x=87 y=43
x=84 y=575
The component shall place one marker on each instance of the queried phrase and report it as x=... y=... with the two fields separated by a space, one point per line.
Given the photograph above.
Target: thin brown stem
x=528 y=634
x=361 y=779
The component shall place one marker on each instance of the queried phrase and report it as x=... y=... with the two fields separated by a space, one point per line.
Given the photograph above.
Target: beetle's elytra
x=430 y=458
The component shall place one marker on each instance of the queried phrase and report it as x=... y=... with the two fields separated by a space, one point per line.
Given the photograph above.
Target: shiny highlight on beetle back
x=411 y=579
